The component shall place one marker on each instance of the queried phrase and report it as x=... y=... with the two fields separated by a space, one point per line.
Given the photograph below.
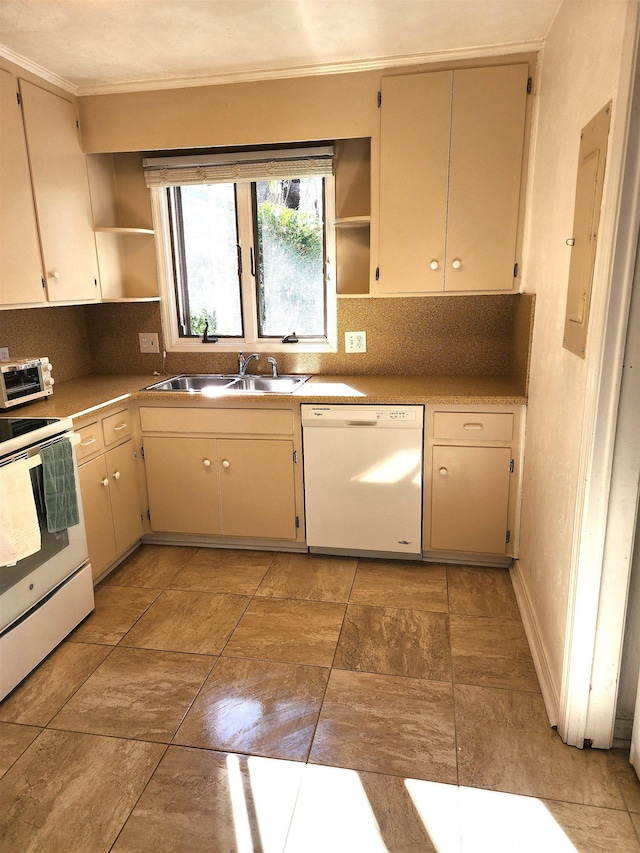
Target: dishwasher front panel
x=363 y=478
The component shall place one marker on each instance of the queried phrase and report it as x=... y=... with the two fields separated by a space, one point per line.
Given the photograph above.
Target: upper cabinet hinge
x=379 y=99
x=295 y=457
x=142 y=452
x=529 y=85
x=515 y=271
x=511 y=466
x=377 y=273
x=77 y=124
x=42 y=280
x=508 y=537
x=297 y=521
x=18 y=98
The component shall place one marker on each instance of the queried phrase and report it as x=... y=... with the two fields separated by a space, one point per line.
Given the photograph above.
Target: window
x=246 y=245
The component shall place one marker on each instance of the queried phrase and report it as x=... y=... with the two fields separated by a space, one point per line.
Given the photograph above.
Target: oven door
x=22 y=586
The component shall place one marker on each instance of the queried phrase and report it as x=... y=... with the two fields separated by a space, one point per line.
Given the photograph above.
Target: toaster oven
x=24 y=380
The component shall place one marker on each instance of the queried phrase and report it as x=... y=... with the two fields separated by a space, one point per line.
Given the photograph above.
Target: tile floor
x=250 y=701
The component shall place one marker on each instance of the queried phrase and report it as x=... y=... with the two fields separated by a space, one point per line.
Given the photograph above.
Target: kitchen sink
x=211 y=384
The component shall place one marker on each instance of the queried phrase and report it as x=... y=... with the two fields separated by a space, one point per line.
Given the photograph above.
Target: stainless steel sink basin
x=267 y=384
x=216 y=383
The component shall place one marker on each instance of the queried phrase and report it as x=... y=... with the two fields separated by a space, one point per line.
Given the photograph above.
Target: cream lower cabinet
x=110 y=497
x=233 y=482
x=472 y=481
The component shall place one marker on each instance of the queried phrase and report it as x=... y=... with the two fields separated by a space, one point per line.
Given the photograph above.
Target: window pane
x=290 y=229
x=211 y=285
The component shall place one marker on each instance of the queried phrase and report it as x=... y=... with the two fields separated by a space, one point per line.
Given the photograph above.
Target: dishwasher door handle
x=362 y=423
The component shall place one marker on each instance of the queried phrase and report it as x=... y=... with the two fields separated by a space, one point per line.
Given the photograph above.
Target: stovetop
x=19 y=433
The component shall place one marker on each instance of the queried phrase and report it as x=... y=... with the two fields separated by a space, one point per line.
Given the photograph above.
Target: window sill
x=238 y=345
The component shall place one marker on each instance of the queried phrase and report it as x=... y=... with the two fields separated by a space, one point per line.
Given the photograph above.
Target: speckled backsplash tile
x=57 y=332
x=435 y=335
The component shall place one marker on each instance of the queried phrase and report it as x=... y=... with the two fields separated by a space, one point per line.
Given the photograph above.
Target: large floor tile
x=14 y=739
x=182 y=621
x=309 y=576
x=387 y=724
x=151 y=566
x=223 y=570
x=505 y=744
x=136 y=693
x=117 y=609
x=41 y=695
x=495 y=822
x=346 y=811
x=259 y=707
x=202 y=801
x=476 y=591
x=72 y=793
x=491 y=652
x=288 y=631
x=414 y=643
x=628 y=781
x=416 y=586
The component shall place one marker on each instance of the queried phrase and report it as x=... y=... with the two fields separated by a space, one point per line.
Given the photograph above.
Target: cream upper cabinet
x=451 y=149
x=20 y=259
x=61 y=191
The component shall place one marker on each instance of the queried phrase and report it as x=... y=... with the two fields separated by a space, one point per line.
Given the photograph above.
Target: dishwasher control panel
x=406 y=417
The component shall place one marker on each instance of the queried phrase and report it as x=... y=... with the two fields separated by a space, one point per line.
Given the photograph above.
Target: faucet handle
x=274 y=366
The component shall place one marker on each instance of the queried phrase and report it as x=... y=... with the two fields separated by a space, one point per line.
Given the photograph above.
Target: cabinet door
x=257 y=488
x=414 y=156
x=61 y=190
x=96 y=503
x=182 y=482
x=487 y=136
x=470 y=499
x=125 y=502
x=20 y=260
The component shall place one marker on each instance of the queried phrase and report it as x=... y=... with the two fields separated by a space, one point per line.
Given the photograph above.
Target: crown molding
x=287 y=72
x=38 y=70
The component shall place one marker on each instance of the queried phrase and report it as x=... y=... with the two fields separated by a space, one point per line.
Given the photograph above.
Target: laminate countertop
x=96 y=393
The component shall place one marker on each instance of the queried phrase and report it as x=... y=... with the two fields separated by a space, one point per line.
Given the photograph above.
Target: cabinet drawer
x=235 y=421
x=91 y=441
x=473 y=426
x=116 y=427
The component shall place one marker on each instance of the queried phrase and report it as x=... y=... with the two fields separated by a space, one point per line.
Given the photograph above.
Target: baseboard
x=550 y=694
x=622 y=732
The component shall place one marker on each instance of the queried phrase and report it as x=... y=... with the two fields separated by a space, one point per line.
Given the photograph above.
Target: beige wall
x=579 y=74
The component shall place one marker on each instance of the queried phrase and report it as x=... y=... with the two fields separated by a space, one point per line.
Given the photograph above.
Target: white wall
x=580 y=72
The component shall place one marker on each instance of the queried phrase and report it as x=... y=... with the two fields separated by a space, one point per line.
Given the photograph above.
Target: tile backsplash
x=436 y=335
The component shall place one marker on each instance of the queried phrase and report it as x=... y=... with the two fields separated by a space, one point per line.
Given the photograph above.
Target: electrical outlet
x=149 y=342
x=355 y=341
x=4 y=353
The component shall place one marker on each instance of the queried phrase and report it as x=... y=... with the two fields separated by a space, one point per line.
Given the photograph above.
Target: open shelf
x=123 y=230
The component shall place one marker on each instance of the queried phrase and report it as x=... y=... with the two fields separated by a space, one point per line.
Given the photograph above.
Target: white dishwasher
x=363 y=478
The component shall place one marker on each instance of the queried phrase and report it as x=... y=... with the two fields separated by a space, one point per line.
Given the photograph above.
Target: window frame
x=248 y=283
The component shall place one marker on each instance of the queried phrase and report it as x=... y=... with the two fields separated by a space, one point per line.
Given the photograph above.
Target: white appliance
x=44 y=596
x=363 y=478
x=24 y=380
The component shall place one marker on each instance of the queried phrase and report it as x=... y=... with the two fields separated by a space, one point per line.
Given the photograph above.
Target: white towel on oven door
x=19 y=527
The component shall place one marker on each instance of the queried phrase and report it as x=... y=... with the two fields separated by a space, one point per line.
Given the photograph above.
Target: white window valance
x=239 y=167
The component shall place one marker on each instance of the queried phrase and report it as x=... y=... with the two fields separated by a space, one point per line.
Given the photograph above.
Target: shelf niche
x=353 y=216
x=123 y=228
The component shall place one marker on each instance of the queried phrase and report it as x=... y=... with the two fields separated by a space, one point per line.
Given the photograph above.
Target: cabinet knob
x=206 y=463
x=116 y=475
x=456 y=263
x=105 y=482
x=226 y=463
x=434 y=264
x=443 y=472
x=54 y=274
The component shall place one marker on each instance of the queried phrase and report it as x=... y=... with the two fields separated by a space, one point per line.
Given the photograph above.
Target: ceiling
x=121 y=45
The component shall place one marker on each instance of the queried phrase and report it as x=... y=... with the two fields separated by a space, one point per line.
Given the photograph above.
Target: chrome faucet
x=243 y=362
x=274 y=366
